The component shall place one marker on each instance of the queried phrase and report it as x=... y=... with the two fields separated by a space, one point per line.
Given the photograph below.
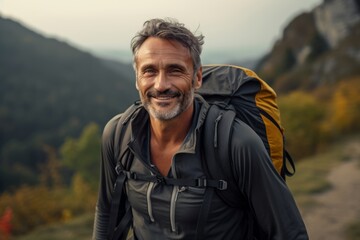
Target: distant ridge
x=50 y=90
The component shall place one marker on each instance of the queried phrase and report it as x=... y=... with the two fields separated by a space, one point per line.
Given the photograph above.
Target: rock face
x=317 y=48
x=334 y=19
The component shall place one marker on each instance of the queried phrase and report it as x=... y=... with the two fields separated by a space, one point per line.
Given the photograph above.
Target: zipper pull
x=217 y=120
x=182 y=189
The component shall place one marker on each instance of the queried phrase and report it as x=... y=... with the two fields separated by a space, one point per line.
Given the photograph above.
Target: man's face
x=165 y=78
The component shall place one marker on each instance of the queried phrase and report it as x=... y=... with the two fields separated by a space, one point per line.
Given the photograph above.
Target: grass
x=352 y=230
x=77 y=229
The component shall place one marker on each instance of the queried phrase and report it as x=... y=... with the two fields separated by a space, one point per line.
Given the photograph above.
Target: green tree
x=50 y=171
x=82 y=155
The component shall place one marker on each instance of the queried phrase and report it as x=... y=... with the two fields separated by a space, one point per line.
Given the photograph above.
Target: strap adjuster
x=218 y=184
x=131 y=175
x=160 y=179
x=222 y=185
x=201 y=182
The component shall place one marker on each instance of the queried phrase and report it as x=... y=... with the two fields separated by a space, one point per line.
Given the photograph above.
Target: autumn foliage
x=345 y=104
x=54 y=200
x=33 y=206
x=312 y=120
x=6 y=224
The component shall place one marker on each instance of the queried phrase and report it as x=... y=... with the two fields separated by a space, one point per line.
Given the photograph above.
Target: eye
x=175 y=70
x=148 y=71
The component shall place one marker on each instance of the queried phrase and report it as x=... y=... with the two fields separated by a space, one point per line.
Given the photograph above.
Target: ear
x=136 y=77
x=198 y=79
x=136 y=84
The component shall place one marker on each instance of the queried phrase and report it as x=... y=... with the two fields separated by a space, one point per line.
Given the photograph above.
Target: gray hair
x=170 y=29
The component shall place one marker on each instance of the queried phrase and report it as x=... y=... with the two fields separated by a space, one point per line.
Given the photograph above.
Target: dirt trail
x=341 y=204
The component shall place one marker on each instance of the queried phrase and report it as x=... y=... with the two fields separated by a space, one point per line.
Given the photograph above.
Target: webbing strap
x=119 y=207
x=123 y=224
x=289 y=159
x=204 y=213
x=115 y=203
x=198 y=182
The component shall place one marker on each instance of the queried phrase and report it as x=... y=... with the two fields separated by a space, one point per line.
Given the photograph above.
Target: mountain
x=317 y=48
x=49 y=90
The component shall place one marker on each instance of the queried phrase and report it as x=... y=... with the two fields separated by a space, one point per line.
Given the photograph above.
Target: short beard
x=183 y=104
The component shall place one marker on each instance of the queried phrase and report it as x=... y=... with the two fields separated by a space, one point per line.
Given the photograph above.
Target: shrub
x=301 y=117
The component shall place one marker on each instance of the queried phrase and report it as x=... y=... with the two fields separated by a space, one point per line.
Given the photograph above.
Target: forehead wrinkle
x=147 y=60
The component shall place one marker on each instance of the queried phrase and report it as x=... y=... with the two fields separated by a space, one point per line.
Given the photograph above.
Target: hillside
x=318 y=48
x=50 y=90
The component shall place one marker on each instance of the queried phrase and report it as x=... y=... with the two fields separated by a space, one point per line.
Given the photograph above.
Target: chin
x=165 y=115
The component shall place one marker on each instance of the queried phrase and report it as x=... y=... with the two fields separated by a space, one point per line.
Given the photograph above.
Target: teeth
x=163 y=98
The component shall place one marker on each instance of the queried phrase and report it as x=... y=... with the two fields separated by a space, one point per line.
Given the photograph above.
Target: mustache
x=167 y=93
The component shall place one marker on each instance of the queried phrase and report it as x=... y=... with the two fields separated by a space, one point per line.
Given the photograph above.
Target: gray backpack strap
x=122 y=134
x=217 y=158
x=217 y=155
x=120 y=211
x=216 y=161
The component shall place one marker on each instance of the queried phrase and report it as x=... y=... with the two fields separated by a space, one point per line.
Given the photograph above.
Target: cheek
x=143 y=85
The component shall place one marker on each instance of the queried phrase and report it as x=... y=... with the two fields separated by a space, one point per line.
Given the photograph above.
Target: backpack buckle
x=222 y=185
x=131 y=175
x=201 y=182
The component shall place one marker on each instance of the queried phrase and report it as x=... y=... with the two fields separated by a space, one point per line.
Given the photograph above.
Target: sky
x=250 y=26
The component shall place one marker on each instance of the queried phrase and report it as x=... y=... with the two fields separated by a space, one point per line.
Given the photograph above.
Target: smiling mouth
x=163 y=96
x=163 y=101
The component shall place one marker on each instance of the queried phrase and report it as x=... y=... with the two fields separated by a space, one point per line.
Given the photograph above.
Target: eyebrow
x=174 y=65
x=171 y=65
x=150 y=65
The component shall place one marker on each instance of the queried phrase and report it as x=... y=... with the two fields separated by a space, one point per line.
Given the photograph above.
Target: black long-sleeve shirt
x=163 y=211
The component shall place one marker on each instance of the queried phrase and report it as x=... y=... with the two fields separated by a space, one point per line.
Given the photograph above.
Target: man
x=166 y=136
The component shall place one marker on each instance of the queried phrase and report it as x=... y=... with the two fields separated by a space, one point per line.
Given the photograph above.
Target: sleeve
x=107 y=179
x=271 y=202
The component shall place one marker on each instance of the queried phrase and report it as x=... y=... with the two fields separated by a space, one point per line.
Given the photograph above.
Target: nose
x=161 y=82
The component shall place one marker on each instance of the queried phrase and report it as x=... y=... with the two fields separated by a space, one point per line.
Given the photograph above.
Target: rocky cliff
x=335 y=18
x=318 y=47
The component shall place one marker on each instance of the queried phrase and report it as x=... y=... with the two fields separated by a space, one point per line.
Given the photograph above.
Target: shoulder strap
x=218 y=164
x=217 y=156
x=123 y=134
x=118 y=200
x=288 y=159
x=216 y=161
x=120 y=212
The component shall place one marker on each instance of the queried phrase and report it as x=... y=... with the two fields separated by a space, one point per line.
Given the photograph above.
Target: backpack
x=232 y=92
x=237 y=92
